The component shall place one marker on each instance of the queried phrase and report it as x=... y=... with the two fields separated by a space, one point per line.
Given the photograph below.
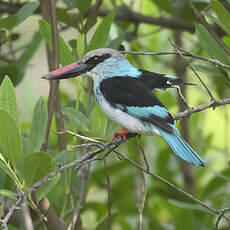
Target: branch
x=83 y=159
x=203 y=21
x=144 y=190
x=12 y=209
x=220 y=217
x=225 y=4
x=82 y=194
x=190 y=67
x=182 y=52
x=137 y=18
x=188 y=195
x=200 y=108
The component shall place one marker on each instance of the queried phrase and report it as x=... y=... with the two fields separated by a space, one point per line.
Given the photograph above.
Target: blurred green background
x=146 y=25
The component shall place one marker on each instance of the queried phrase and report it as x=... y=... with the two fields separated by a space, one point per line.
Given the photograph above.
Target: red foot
x=121 y=132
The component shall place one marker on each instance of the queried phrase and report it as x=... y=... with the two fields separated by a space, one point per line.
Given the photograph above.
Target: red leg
x=121 y=132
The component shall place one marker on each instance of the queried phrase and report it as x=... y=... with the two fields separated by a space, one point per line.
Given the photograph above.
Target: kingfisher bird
x=125 y=94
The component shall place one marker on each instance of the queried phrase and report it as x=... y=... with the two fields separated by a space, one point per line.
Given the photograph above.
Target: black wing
x=131 y=96
x=153 y=80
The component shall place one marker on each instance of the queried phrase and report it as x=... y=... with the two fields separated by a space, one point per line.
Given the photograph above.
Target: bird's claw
x=121 y=133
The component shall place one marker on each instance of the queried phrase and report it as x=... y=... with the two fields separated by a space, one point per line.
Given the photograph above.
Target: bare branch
x=48 y=10
x=197 y=75
x=79 y=136
x=225 y=4
x=200 y=108
x=182 y=52
x=203 y=21
x=222 y=212
x=137 y=18
x=188 y=195
x=12 y=209
x=144 y=190
x=84 y=158
x=82 y=194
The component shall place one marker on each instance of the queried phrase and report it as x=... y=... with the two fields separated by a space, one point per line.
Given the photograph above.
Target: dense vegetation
x=55 y=178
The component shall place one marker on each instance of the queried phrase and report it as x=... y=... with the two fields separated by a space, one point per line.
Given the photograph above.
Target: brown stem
x=225 y=4
x=48 y=10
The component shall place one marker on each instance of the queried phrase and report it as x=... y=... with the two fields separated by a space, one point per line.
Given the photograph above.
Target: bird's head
x=96 y=63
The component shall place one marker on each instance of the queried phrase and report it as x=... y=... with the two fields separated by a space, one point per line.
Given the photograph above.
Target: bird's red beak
x=69 y=71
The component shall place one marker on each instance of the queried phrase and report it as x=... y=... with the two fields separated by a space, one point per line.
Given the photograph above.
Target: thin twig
x=200 y=108
x=203 y=21
x=82 y=194
x=144 y=190
x=182 y=52
x=78 y=135
x=226 y=4
x=222 y=212
x=197 y=75
x=181 y=96
x=190 y=196
x=88 y=156
x=12 y=209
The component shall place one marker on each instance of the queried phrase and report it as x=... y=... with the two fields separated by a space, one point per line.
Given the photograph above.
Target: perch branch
x=112 y=145
x=200 y=108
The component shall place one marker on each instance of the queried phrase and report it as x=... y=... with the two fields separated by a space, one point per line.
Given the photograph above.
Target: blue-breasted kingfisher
x=124 y=94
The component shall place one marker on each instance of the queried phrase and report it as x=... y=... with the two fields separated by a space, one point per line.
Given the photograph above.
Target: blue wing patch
x=147 y=112
x=156 y=115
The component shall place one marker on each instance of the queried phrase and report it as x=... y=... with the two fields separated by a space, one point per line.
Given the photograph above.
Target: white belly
x=133 y=124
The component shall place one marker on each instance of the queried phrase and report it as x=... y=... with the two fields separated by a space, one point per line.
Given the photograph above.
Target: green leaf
x=38 y=126
x=10 y=138
x=65 y=53
x=12 y=20
x=9 y=22
x=166 y=5
x=36 y=166
x=47 y=187
x=27 y=10
x=76 y=119
x=210 y=45
x=98 y=122
x=8 y=100
x=8 y=193
x=83 y=5
x=101 y=35
x=222 y=14
x=45 y=30
x=80 y=45
x=64 y=16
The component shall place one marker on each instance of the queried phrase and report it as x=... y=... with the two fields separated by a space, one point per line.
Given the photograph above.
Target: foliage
x=23 y=162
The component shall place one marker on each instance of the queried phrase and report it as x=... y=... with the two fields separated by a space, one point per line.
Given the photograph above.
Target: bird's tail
x=181 y=148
